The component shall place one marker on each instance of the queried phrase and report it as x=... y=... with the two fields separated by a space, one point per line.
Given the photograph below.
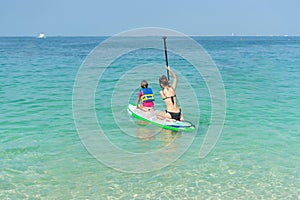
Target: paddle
x=166 y=54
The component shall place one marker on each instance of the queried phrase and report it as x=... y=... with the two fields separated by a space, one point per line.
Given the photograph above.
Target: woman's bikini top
x=172 y=97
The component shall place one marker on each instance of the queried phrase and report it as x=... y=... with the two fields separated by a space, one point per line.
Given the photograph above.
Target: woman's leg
x=169 y=117
x=181 y=117
x=161 y=115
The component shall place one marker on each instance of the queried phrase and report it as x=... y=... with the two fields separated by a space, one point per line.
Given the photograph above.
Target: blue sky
x=191 y=17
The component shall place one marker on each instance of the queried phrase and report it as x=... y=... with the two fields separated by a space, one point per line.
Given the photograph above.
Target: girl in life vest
x=147 y=97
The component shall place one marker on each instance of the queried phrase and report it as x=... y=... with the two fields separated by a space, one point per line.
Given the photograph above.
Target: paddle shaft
x=166 y=55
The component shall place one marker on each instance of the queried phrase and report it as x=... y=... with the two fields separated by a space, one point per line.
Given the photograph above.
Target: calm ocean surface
x=256 y=157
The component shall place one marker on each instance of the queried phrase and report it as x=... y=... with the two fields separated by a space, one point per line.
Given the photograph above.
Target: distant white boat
x=41 y=35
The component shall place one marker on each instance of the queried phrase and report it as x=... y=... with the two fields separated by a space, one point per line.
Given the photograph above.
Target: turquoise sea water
x=256 y=157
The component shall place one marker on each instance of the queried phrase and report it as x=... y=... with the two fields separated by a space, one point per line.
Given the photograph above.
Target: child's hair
x=144 y=84
x=163 y=80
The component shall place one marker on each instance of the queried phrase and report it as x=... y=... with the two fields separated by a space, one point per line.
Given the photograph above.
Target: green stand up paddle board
x=151 y=118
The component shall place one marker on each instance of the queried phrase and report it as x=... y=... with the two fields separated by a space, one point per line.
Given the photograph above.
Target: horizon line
x=270 y=35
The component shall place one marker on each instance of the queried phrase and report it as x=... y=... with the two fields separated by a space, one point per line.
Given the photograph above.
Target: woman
x=168 y=94
x=147 y=97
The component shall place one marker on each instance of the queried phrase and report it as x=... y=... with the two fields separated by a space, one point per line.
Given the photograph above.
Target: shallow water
x=256 y=157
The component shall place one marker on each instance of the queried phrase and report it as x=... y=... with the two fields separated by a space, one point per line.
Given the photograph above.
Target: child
x=147 y=97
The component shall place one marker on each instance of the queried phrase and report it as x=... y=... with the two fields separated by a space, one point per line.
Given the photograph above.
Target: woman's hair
x=163 y=81
x=144 y=84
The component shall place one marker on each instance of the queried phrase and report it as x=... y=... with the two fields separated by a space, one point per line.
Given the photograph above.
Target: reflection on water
x=143 y=131
x=166 y=138
x=169 y=140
